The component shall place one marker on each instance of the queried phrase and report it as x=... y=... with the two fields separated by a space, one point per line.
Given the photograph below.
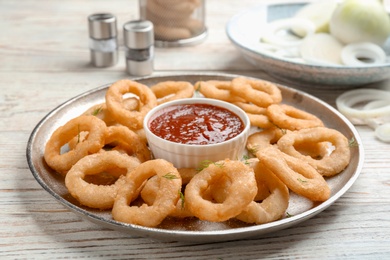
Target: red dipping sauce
x=196 y=124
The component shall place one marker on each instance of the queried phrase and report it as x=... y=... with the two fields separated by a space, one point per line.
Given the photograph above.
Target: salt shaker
x=139 y=43
x=103 y=42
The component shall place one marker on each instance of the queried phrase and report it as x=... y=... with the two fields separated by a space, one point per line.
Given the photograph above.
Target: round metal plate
x=192 y=230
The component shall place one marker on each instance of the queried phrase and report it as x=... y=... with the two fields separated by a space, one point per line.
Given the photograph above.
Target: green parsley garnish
x=97 y=111
x=288 y=215
x=284 y=131
x=245 y=158
x=303 y=181
x=182 y=199
x=253 y=150
x=206 y=163
x=170 y=176
x=352 y=142
x=197 y=87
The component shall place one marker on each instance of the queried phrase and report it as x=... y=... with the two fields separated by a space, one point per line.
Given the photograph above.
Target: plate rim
x=197 y=236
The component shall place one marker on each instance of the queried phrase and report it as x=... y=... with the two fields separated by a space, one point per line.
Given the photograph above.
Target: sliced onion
x=321 y=49
x=346 y=103
x=278 y=32
x=319 y=12
x=383 y=132
x=362 y=54
x=287 y=52
x=380 y=125
x=375 y=122
x=375 y=112
x=376 y=104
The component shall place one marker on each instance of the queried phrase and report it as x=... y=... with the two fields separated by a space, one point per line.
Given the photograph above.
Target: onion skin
x=360 y=21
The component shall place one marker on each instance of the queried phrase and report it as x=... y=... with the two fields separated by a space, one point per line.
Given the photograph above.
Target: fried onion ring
x=149 y=194
x=92 y=195
x=101 y=112
x=217 y=89
x=187 y=174
x=272 y=197
x=263 y=139
x=298 y=175
x=251 y=108
x=129 y=141
x=289 y=117
x=259 y=92
x=133 y=119
x=172 y=90
x=166 y=198
x=326 y=164
x=240 y=192
x=257 y=115
x=273 y=205
x=62 y=162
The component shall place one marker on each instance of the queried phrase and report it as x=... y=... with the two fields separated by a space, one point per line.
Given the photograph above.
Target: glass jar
x=176 y=22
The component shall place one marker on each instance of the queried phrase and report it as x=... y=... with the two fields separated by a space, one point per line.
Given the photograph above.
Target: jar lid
x=102 y=26
x=138 y=34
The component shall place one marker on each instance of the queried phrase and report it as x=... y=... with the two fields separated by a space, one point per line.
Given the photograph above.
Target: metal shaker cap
x=138 y=34
x=139 y=68
x=102 y=26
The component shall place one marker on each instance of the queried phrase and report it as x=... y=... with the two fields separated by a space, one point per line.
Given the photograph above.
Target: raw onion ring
x=383 y=132
x=271 y=31
x=354 y=54
x=291 y=53
x=347 y=101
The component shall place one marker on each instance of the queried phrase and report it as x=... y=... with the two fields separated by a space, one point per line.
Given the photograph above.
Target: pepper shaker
x=103 y=42
x=139 y=43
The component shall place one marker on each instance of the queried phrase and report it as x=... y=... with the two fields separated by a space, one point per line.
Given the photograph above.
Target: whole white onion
x=360 y=21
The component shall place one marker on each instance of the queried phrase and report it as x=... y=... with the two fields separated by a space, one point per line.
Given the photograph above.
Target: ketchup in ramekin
x=197 y=124
x=189 y=131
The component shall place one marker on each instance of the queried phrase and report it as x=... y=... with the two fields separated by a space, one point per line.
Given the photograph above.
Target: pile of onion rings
x=104 y=157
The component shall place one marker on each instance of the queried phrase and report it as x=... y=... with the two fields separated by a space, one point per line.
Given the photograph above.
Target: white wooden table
x=44 y=61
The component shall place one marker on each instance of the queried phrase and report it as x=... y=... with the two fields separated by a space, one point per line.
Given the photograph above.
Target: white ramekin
x=189 y=155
